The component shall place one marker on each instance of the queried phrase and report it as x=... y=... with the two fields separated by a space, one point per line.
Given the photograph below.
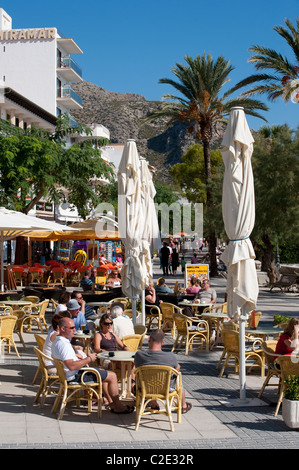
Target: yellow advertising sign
x=201 y=271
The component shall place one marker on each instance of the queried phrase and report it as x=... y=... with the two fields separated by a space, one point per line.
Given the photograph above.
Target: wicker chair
x=32 y=298
x=6 y=310
x=122 y=300
x=129 y=313
x=268 y=348
x=153 y=316
x=254 y=319
x=189 y=334
x=47 y=380
x=153 y=383
x=289 y=365
x=253 y=351
x=18 y=329
x=7 y=326
x=70 y=391
x=168 y=311
x=132 y=341
x=39 y=317
x=140 y=330
x=229 y=325
x=40 y=344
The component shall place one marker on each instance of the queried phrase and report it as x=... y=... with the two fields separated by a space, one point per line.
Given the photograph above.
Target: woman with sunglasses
x=114 y=280
x=105 y=340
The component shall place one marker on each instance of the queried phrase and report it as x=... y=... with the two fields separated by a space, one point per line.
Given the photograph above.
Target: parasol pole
x=242 y=367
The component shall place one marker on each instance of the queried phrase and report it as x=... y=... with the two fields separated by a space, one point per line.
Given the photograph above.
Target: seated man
x=155 y=356
x=87 y=311
x=161 y=287
x=74 y=367
x=206 y=295
x=73 y=308
x=86 y=282
x=122 y=326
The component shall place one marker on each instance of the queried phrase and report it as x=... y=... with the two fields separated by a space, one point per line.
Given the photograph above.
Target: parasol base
x=246 y=402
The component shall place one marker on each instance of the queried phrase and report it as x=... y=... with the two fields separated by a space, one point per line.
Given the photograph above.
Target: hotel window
x=17 y=124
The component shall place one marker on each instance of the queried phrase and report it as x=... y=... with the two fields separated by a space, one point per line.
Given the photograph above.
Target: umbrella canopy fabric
x=151 y=240
x=14 y=224
x=238 y=208
x=90 y=229
x=131 y=220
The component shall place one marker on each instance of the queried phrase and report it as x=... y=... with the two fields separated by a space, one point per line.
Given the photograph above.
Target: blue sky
x=130 y=44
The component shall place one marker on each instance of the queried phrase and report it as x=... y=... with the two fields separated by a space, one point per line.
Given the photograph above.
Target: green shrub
x=292 y=392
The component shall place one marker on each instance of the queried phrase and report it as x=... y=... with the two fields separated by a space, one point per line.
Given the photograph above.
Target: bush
x=292 y=392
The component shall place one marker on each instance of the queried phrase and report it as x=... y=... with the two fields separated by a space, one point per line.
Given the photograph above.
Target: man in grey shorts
x=155 y=356
x=74 y=366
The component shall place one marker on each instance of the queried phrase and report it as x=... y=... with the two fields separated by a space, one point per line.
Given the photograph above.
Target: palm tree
x=284 y=81
x=199 y=103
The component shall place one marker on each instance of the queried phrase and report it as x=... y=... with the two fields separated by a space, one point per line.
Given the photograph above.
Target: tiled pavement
x=209 y=425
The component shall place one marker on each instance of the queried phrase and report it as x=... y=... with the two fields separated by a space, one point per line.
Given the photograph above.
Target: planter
x=290 y=413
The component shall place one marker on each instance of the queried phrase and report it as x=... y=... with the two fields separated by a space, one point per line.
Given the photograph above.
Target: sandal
x=129 y=409
x=187 y=407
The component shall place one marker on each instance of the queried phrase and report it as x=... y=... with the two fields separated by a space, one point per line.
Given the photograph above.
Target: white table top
x=15 y=302
x=126 y=356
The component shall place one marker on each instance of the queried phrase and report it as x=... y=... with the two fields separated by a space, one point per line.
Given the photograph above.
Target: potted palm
x=290 y=402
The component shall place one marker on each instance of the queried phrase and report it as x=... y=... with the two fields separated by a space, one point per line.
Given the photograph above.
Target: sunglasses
x=71 y=327
x=107 y=323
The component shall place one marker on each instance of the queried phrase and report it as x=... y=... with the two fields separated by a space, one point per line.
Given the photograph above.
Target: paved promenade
x=209 y=425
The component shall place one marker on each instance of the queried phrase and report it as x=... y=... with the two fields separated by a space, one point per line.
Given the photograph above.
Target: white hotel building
x=36 y=75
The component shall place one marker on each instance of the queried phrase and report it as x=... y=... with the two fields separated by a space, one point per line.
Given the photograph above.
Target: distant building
x=36 y=75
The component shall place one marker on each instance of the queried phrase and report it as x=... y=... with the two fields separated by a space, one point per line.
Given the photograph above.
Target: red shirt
x=281 y=347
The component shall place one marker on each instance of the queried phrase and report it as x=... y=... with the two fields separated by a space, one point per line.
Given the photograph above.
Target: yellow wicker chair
x=18 y=329
x=40 y=343
x=268 y=348
x=227 y=325
x=69 y=391
x=189 y=334
x=153 y=383
x=153 y=316
x=289 y=365
x=129 y=313
x=168 y=311
x=132 y=341
x=254 y=351
x=47 y=380
x=39 y=317
x=54 y=303
x=254 y=319
x=31 y=298
x=7 y=326
x=6 y=310
x=140 y=330
x=122 y=300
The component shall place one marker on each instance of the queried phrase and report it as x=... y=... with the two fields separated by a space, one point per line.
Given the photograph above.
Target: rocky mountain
x=122 y=114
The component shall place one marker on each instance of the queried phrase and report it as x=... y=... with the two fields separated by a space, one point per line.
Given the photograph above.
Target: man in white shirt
x=122 y=326
x=63 y=351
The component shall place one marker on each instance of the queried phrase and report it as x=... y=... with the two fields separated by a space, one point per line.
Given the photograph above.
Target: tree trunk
x=268 y=259
x=212 y=240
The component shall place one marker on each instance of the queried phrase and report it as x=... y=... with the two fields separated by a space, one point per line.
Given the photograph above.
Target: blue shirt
x=79 y=320
x=85 y=282
x=163 y=290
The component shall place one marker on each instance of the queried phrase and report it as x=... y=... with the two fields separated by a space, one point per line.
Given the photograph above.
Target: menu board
x=201 y=271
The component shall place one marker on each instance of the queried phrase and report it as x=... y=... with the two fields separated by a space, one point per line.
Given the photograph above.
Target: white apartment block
x=36 y=75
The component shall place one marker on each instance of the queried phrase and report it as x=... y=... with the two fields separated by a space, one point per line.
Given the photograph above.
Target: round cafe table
x=126 y=361
x=195 y=305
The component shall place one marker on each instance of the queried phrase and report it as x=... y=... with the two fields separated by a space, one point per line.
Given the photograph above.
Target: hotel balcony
x=69 y=69
x=67 y=97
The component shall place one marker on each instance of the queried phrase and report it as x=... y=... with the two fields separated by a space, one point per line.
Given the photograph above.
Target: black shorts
x=89 y=376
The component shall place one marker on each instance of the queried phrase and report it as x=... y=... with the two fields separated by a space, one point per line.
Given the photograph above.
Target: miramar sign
x=28 y=34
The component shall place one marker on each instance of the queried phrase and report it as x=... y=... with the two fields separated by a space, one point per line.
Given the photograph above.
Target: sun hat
x=73 y=305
